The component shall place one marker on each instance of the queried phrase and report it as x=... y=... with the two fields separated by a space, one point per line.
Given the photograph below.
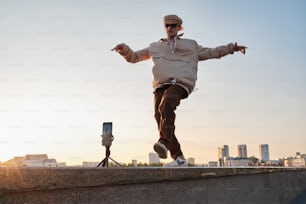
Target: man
x=175 y=73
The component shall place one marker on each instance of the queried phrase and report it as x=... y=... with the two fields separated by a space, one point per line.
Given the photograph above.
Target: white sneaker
x=161 y=150
x=179 y=162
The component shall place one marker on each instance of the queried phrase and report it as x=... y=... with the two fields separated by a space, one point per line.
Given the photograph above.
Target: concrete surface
x=152 y=185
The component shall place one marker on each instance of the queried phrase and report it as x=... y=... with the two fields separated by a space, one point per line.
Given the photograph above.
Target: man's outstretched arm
x=220 y=51
x=130 y=55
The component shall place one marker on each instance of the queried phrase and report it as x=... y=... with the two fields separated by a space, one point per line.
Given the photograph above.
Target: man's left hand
x=240 y=48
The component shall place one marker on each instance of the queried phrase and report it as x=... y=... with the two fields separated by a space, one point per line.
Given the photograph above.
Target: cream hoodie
x=178 y=65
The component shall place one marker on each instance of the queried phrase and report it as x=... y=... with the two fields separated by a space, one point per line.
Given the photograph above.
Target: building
x=38 y=160
x=31 y=160
x=49 y=163
x=220 y=156
x=295 y=162
x=153 y=158
x=238 y=161
x=213 y=164
x=223 y=153
x=242 y=151
x=226 y=151
x=191 y=161
x=34 y=160
x=134 y=163
x=62 y=164
x=299 y=160
x=264 y=152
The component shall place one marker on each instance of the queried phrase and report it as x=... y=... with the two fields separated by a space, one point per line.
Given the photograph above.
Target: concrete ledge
x=150 y=185
x=21 y=179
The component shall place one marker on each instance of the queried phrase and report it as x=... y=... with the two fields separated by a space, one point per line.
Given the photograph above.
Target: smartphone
x=107 y=128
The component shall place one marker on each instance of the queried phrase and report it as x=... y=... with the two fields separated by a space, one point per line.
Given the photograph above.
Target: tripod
x=104 y=162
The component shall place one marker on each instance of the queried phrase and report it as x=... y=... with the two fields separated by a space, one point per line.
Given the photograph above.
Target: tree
x=253 y=160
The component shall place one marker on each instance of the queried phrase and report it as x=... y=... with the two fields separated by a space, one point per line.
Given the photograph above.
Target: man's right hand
x=121 y=48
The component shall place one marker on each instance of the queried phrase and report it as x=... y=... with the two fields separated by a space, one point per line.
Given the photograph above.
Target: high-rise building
x=220 y=156
x=153 y=158
x=220 y=152
x=226 y=151
x=264 y=152
x=223 y=154
x=242 y=150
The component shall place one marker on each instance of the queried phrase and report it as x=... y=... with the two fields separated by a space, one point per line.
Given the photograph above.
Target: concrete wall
x=152 y=185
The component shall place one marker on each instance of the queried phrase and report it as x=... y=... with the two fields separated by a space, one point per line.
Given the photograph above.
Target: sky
x=59 y=81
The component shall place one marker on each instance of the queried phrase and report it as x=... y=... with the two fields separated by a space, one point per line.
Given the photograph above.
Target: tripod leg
x=114 y=161
x=105 y=162
x=102 y=162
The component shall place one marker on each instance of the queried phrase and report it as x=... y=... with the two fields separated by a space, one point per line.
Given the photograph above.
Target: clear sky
x=59 y=81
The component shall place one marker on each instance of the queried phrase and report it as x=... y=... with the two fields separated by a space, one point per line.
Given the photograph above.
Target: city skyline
x=42 y=160
x=59 y=81
x=263 y=155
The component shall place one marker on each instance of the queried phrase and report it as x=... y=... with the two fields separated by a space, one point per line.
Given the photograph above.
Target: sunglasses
x=171 y=25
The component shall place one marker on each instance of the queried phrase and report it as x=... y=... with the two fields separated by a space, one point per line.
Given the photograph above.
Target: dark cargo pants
x=166 y=99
